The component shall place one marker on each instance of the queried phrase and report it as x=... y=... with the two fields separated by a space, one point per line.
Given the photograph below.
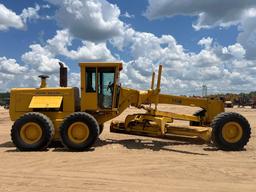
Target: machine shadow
x=6 y=144
x=63 y=149
x=9 y=144
x=139 y=144
x=153 y=145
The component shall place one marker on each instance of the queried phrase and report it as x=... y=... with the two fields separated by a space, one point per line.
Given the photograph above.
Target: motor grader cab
x=45 y=114
x=100 y=86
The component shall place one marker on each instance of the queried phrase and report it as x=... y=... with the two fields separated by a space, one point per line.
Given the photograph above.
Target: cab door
x=106 y=87
x=89 y=90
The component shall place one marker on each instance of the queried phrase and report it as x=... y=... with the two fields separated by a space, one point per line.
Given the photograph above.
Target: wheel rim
x=31 y=133
x=232 y=132
x=78 y=132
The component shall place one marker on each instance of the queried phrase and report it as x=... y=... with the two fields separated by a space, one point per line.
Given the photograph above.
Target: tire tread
x=26 y=118
x=218 y=123
x=82 y=116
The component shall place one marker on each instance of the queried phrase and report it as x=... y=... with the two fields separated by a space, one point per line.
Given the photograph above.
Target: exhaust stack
x=63 y=75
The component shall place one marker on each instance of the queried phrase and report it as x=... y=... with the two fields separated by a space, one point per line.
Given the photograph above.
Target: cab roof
x=102 y=64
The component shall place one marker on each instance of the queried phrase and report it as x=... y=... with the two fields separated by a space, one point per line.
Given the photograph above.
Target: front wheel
x=230 y=131
x=32 y=132
x=79 y=131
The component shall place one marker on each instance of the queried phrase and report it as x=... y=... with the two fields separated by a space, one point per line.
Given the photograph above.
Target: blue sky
x=179 y=26
x=197 y=43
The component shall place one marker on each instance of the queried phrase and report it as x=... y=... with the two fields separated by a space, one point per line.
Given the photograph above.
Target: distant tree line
x=4 y=98
x=238 y=99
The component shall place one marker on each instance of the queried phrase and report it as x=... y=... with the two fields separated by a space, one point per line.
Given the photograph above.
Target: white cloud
x=74 y=79
x=8 y=19
x=210 y=13
x=46 y=6
x=91 y=51
x=213 y=13
x=11 y=73
x=235 y=50
x=10 y=66
x=92 y=20
x=206 y=42
x=97 y=23
x=247 y=36
x=128 y=15
x=44 y=59
x=220 y=68
x=30 y=13
x=60 y=45
x=60 y=42
x=41 y=59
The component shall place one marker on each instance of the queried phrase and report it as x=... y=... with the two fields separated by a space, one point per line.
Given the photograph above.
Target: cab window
x=106 y=82
x=90 y=80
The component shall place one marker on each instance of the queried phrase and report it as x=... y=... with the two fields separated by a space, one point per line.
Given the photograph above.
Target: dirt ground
x=129 y=163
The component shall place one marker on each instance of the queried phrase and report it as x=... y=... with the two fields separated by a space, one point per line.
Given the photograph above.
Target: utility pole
x=204 y=91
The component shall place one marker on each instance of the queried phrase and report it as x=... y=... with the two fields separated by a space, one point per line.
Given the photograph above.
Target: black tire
x=217 y=136
x=46 y=126
x=89 y=121
x=55 y=144
x=101 y=128
x=200 y=113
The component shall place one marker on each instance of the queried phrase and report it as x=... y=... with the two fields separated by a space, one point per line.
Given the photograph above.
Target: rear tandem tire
x=32 y=132
x=79 y=131
x=230 y=131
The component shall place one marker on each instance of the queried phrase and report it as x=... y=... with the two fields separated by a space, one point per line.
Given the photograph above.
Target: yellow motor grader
x=46 y=114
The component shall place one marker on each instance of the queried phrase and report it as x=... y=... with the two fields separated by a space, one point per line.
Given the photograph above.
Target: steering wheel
x=111 y=87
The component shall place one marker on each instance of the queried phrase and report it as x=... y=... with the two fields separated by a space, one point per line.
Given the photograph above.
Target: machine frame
x=77 y=122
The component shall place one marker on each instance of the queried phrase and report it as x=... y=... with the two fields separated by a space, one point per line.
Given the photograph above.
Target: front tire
x=32 y=131
x=230 y=131
x=79 y=131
